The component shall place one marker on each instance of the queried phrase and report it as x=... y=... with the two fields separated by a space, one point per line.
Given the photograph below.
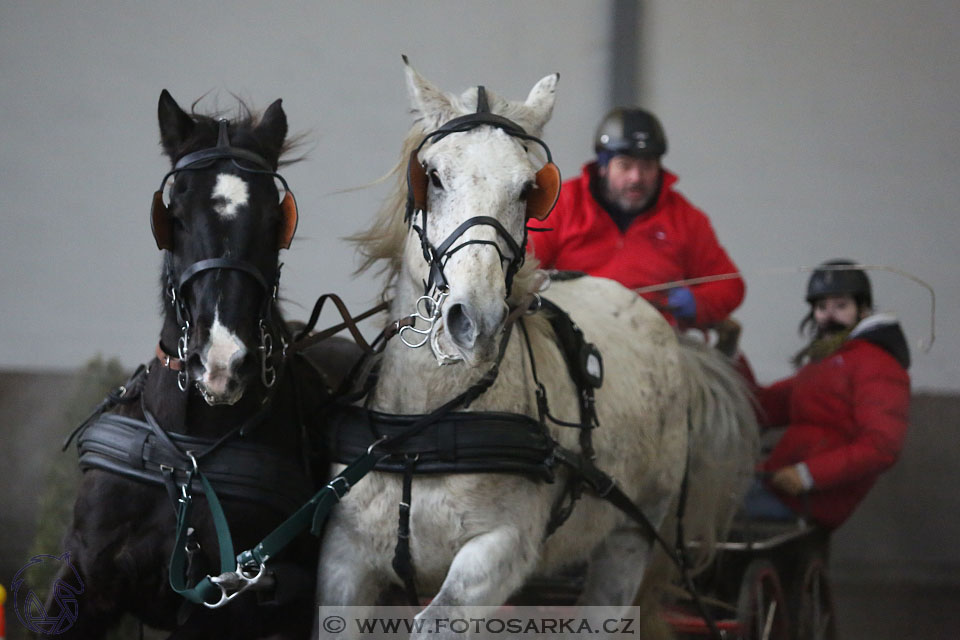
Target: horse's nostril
x=461 y=326
x=194 y=366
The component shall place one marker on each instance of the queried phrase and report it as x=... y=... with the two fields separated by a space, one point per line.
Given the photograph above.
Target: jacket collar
x=883 y=330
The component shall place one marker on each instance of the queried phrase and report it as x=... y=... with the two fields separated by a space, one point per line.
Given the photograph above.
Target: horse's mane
x=382 y=243
x=243 y=122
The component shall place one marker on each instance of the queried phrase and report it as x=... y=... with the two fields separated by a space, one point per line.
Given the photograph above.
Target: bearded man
x=622 y=219
x=846 y=408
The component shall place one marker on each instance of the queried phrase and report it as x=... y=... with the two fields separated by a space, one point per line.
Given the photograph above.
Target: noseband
x=540 y=201
x=161 y=224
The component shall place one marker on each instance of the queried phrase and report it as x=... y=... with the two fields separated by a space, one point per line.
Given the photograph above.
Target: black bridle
x=161 y=225
x=437 y=257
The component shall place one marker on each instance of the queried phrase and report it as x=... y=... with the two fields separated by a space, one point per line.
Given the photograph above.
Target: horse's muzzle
x=469 y=324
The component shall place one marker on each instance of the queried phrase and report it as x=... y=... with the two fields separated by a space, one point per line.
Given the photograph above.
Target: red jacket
x=847 y=417
x=672 y=241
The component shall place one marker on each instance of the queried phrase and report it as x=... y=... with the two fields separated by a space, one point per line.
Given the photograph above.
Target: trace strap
x=313 y=514
x=206 y=591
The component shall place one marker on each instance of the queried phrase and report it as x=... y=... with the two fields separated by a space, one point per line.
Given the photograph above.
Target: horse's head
x=473 y=183
x=223 y=228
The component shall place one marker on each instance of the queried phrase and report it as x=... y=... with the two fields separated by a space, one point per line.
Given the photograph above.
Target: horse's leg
x=345 y=578
x=618 y=564
x=616 y=569
x=95 y=613
x=484 y=573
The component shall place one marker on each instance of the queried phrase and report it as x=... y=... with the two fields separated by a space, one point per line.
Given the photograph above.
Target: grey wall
x=79 y=153
x=815 y=129
x=807 y=130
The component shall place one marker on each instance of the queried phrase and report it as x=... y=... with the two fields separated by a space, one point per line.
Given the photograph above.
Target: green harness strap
x=215 y=591
x=205 y=591
x=313 y=514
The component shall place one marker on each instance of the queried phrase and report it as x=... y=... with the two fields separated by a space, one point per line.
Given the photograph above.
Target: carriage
x=769 y=581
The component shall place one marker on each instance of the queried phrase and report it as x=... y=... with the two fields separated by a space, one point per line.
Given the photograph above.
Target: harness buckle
x=193 y=545
x=332 y=485
x=535 y=305
x=183 y=377
x=268 y=374
x=372 y=446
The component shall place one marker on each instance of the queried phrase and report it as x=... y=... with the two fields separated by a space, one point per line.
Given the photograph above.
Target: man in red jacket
x=846 y=408
x=622 y=219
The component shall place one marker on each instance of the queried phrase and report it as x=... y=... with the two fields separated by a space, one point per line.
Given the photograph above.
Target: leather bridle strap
x=233 y=264
x=304 y=339
x=223 y=263
x=439 y=256
x=168 y=361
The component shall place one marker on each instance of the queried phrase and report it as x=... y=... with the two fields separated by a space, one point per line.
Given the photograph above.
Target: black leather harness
x=460 y=442
x=143 y=451
x=251 y=472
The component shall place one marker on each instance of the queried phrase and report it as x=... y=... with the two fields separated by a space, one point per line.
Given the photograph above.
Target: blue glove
x=681 y=303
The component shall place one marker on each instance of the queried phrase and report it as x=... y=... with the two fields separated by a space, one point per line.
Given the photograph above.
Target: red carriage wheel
x=812 y=601
x=761 y=606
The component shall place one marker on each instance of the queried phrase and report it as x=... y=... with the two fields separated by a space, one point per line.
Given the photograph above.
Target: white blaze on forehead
x=223 y=349
x=229 y=194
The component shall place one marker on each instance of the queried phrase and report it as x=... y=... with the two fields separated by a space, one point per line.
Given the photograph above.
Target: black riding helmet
x=840 y=281
x=631 y=131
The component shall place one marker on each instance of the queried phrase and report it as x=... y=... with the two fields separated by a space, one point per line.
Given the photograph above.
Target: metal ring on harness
x=235 y=579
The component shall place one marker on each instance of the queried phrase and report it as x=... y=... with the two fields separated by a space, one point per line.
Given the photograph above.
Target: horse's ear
x=430 y=105
x=539 y=103
x=272 y=129
x=175 y=124
x=541 y=200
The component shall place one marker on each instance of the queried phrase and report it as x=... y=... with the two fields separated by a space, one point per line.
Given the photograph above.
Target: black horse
x=222 y=399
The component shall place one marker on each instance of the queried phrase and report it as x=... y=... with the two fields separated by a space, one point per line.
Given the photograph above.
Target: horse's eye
x=525 y=191
x=435 y=179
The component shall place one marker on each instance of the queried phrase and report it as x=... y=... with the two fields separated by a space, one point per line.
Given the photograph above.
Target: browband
x=221 y=152
x=548 y=177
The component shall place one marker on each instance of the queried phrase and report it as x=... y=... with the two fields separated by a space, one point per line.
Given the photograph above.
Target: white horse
x=477 y=538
